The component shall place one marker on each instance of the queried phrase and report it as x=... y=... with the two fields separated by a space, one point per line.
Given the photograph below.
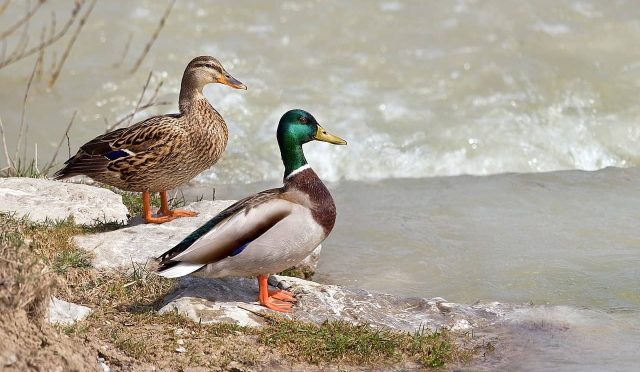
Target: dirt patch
x=27 y=341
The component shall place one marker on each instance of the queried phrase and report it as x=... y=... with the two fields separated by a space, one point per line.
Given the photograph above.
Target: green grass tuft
x=133 y=200
x=73 y=258
x=22 y=168
x=340 y=341
x=298 y=272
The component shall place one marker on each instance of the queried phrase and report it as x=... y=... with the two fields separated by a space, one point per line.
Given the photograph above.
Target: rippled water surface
x=421 y=88
x=423 y=91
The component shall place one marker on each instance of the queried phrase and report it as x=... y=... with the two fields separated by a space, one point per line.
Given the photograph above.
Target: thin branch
x=4 y=145
x=153 y=37
x=6 y=33
x=3 y=54
x=53 y=24
x=4 y=6
x=23 y=41
x=24 y=109
x=81 y=23
x=55 y=153
x=125 y=51
x=41 y=55
x=132 y=114
x=22 y=52
x=144 y=90
x=68 y=146
x=156 y=91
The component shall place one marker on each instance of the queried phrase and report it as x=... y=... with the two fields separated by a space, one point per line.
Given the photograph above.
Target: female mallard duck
x=162 y=152
x=269 y=231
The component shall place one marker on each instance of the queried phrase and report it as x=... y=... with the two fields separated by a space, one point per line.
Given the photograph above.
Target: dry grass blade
x=30 y=13
x=81 y=23
x=21 y=50
x=22 y=129
x=6 y=151
x=151 y=41
x=65 y=135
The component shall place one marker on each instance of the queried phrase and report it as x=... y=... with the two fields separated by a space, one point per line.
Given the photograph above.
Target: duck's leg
x=164 y=208
x=146 y=207
x=268 y=301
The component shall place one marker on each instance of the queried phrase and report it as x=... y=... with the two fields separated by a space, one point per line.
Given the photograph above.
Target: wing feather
x=145 y=142
x=238 y=225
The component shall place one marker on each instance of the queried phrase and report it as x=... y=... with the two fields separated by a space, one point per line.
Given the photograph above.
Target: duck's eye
x=303 y=120
x=208 y=65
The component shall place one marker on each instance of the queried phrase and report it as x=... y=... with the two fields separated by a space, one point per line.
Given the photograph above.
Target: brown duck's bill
x=324 y=136
x=233 y=82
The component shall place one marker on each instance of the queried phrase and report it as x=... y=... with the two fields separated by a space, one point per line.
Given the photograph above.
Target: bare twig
x=125 y=51
x=24 y=109
x=66 y=134
x=23 y=41
x=4 y=145
x=4 y=6
x=144 y=90
x=81 y=23
x=68 y=146
x=3 y=54
x=41 y=55
x=52 y=31
x=21 y=50
x=132 y=114
x=147 y=47
x=30 y=12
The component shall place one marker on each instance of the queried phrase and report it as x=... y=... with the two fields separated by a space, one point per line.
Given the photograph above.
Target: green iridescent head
x=296 y=128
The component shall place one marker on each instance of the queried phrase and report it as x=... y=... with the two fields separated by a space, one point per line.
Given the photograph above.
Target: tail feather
x=177 y=269
x=82 y=165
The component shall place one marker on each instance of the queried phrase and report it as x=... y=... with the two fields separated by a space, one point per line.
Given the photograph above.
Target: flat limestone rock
x=234 y=300
x=139 y=242
x=42 y=199
x=65 y=313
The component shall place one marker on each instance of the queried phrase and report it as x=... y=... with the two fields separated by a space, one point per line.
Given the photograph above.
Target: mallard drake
x=267 y=232
x=161 y=152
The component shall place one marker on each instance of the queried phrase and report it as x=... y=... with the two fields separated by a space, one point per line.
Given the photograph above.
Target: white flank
x=181 y=269
x=306 y=166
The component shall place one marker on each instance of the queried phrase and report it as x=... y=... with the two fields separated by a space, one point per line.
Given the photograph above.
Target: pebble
x=181 y=349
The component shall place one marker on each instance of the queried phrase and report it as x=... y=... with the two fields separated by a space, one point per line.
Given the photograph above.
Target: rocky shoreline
x=231 y=300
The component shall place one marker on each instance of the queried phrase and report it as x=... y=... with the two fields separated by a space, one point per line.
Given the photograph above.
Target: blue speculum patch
x=238 y=250
x=113 y=155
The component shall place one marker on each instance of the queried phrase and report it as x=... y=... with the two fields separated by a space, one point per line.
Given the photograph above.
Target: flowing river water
x=439 y=101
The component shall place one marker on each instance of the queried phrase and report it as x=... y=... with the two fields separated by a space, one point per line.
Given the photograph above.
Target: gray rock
x=234 y=300
x=8 y=358
x=41 y=199
x=139 y=242
x=65 y=313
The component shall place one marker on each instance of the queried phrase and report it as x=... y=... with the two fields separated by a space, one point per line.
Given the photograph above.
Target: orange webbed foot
x=277 y=300
x=282 y=295
x=159 y=220
x=277 y=305
x=176 y=213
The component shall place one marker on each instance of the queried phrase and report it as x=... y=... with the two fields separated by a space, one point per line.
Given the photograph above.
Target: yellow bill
x=324 y=136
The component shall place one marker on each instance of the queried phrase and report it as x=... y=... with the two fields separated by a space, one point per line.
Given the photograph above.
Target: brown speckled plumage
x=162 y=152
